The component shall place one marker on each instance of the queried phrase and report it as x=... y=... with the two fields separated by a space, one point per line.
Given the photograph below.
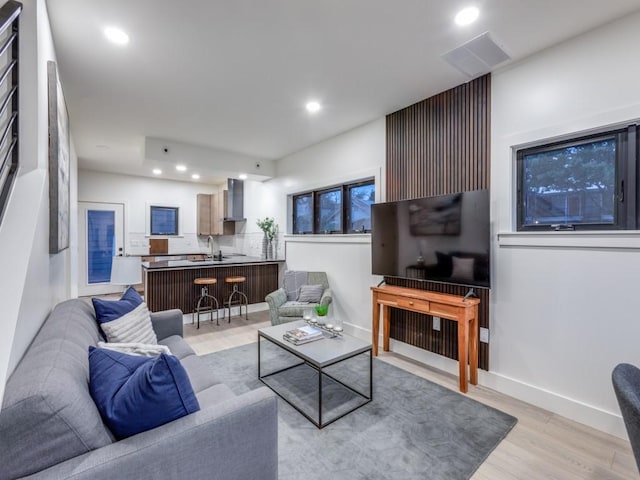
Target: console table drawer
x=443 y=310
x=414 y=304
x=386 y=299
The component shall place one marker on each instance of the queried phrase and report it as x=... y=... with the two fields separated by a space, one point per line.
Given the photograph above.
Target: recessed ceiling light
x=157 y=171
x=242 y=176
x=116 y=35
x=195 y=176
x=467 y=15
x=313 y=107
x=181 y=168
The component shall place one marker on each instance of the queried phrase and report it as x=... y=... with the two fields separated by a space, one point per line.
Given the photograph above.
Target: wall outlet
x=436 y=324
x=484 y=335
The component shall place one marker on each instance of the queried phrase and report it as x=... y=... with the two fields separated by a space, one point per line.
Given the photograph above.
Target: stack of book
x=301 y=335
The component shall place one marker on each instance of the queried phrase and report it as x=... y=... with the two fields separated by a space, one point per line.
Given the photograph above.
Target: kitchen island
x=169 y=284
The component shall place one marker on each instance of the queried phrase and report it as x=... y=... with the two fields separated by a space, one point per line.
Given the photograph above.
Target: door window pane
x=303 y=214
x=329 y=211
x=100 y=245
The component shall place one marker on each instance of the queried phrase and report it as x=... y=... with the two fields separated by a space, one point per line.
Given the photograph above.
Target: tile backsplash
x=247 y=243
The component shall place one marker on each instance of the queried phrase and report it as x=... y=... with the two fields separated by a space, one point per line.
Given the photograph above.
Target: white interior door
x=101 y=229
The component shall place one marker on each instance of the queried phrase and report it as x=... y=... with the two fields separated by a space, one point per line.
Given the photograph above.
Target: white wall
x=137 y=194
x=548 y=304
x=33 y=281
x=563 y=316
x=356 y=154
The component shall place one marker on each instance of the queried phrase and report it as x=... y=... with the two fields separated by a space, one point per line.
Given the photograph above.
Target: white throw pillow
x=142 y=349
x=132 y=327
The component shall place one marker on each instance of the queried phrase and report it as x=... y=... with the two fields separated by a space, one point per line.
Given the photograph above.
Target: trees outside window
x=337 y=209
x=579 y=184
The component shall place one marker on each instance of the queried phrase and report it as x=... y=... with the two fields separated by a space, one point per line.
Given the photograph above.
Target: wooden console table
x=443 y=305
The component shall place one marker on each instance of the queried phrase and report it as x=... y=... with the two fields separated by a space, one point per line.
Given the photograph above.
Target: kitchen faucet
x=210 y=243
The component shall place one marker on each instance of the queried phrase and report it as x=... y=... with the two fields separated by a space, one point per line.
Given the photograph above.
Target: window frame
x=295 y=217
x=177 y=220
x=625 y=182
x=345 y=189
x=316 y=209
x=346 y=198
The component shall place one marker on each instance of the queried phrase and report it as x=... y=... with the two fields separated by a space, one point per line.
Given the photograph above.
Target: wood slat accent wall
x=174 y=288
x=436 y=147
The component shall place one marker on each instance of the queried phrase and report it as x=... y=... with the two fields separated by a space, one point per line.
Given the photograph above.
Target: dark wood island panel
x=174 y=287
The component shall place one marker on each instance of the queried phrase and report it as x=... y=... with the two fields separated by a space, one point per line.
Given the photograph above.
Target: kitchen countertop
x=226 y=261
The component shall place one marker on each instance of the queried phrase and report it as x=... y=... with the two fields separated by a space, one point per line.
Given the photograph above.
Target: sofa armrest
x=327 y=297
x=275 y=300
x=167 y=323
x=232 y=440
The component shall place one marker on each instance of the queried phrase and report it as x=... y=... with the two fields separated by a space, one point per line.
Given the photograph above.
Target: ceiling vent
x=476 y=57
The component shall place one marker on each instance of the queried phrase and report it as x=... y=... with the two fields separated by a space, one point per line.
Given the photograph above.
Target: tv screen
x=444 y=238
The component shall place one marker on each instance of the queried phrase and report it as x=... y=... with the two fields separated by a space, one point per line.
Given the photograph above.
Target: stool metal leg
x=243 y=300
x=204 y=295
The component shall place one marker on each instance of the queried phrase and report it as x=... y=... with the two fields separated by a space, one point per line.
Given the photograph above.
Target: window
x=337 y=209
x=329 y=213
x=360 y=197
x=303 y=213
x=585 y=183
x=164 y=220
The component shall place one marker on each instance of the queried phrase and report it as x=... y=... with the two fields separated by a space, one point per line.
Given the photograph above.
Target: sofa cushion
x=201 y=375
x=135 y=393
x=48 y=415
x=126 y=320
x=178 y=346
x=212 y=396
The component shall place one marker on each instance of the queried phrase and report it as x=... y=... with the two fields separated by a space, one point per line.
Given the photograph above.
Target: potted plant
x=270 y=230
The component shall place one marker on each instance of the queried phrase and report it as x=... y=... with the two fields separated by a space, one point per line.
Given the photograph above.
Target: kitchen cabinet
x=211 y=209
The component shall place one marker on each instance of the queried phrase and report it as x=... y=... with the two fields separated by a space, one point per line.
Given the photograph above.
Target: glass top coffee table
x=324 y=380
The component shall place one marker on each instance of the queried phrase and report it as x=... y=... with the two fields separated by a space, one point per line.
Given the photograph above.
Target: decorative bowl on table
x=322 y=310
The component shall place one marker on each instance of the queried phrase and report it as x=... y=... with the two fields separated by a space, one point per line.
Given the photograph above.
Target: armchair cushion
x=294 y=309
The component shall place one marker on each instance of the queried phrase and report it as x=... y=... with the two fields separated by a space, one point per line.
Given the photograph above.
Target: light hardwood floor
x=541 y=446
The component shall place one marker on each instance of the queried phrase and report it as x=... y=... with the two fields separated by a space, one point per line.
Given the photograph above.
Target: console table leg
x=386 y=327
x=463 y=353
x=473 y=349
x=375 y=325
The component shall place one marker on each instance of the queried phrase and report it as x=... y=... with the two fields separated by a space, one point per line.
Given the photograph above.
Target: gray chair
x=626 y=384
x=283 y=304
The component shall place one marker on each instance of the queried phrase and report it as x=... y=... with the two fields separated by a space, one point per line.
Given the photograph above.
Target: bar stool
x=242 y=298
x=207 y=299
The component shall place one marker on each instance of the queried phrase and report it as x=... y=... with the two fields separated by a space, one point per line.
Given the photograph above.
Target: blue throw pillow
x=108 y=310
x=135 y=394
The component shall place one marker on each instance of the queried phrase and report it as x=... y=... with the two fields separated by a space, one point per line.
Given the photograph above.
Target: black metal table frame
x=320 y=371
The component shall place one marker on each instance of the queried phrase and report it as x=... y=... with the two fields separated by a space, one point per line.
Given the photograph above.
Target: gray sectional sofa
x=50 y=427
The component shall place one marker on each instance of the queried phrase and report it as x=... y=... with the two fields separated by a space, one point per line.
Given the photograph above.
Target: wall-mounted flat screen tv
x=444 y=238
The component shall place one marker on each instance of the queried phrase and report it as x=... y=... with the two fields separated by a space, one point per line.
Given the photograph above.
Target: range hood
x=235 y=201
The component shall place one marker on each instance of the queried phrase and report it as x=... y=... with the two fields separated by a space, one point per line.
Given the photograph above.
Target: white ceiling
x=231 y=77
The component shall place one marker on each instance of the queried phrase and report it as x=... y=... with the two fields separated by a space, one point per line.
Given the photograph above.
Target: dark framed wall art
x=59 y=163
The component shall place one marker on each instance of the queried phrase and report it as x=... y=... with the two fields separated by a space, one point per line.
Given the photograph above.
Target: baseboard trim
x=595 y=417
